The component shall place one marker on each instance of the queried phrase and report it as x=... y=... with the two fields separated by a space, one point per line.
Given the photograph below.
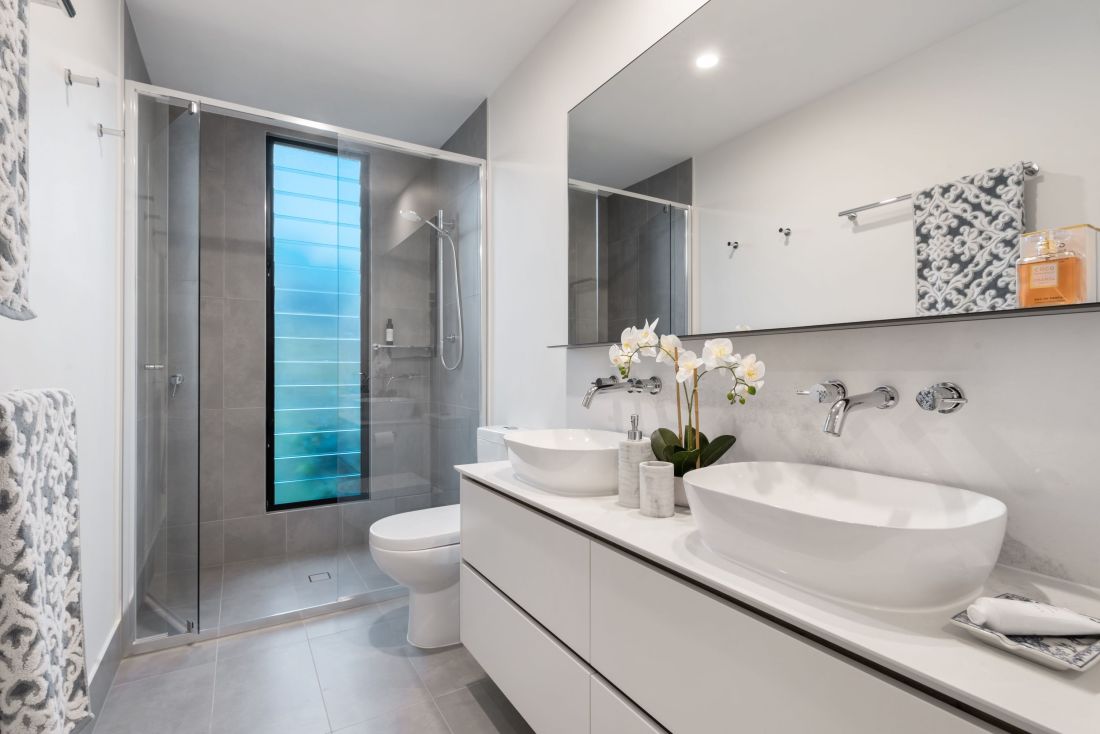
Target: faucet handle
x=825 y=392
x=943 y=397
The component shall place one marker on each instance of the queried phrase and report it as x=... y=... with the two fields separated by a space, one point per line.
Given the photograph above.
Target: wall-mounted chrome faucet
x=881 y=397
x=613 y=383
x=943 y=397
x=825 y=392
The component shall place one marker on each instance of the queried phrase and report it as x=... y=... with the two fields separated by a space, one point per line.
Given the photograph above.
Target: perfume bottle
x=1053 y=276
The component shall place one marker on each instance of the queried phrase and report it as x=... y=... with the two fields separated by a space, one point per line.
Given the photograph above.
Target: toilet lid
x=417 y=530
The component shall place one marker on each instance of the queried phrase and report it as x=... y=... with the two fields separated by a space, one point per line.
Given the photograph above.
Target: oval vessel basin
x=858 y=537
x=569 y=461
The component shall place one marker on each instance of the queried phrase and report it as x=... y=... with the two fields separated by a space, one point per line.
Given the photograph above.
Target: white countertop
x=924 y=647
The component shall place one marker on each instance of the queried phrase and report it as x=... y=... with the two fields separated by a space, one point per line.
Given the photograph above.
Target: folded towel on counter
x=1017 y=617
x=43 y=681
x=967 y=235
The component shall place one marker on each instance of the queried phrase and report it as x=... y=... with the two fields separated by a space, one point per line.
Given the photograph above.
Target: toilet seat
x=434 y=527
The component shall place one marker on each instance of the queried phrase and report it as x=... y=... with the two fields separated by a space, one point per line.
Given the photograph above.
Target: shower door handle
x=175 y=381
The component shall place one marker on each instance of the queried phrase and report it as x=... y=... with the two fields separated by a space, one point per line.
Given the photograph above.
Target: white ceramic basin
x=858 y=537
x=569 y=461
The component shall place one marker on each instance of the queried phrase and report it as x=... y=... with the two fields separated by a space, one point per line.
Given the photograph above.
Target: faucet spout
x=881 y=397
x=613 y=383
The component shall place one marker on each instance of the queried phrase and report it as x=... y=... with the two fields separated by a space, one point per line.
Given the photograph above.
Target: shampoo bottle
x=635 y=449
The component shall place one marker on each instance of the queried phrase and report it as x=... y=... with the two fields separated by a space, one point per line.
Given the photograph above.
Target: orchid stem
x=695 y=399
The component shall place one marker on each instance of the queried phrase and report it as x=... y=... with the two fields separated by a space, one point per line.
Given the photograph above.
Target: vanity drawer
x=699 y=664
x=546 y=683
x=536 y=561
x=613 y=714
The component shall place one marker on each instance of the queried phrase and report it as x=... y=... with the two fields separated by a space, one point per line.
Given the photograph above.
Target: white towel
x=43 y=682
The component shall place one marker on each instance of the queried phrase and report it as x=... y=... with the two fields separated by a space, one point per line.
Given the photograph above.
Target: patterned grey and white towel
x=43 y=682
x=14 y=207
x=967 y=236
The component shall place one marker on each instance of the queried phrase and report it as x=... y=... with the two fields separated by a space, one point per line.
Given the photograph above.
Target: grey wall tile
x=212 y=206
x=211 y=464
x=472 y=136
x=211 y=544
x=313 y=529
x=244 y=372
x=244 y=487
x=356 y=519
x=211 y=335
x=245 y=240
x=259 y=536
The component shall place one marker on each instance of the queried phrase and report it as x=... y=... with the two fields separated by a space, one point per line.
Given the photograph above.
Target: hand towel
x=967 y=235
x=14 y=207
x=43 y=682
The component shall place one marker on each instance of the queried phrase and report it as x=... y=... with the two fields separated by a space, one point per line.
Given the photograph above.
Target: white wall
x=960 y=106
x=528 y=205
x=1028 y=436
x=74 y=277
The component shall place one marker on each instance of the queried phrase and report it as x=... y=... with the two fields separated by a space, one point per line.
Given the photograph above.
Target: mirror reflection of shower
x=442 y=230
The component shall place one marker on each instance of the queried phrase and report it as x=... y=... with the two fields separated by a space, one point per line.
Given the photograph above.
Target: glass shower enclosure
x=167 y=331
x=306 y=349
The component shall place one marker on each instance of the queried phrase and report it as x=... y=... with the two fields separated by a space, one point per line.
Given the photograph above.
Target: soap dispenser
x=635 y=449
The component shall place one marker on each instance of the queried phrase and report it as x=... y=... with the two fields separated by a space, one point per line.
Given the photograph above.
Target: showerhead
x=410 y=215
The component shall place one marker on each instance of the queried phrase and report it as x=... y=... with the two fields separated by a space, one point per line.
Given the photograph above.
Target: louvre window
x=315 y=255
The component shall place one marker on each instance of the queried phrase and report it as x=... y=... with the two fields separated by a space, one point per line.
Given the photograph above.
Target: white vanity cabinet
x=586 y=639
x=540 y=564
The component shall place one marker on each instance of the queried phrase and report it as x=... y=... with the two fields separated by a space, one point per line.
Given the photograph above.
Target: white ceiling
x=775 y=57
x=407 y=69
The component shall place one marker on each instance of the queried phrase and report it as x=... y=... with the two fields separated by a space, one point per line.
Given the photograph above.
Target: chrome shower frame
x=133 y=91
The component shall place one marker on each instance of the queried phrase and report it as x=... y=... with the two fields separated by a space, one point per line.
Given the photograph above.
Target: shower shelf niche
x=397 y=351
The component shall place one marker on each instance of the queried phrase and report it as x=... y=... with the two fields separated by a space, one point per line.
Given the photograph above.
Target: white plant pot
x=679 y=493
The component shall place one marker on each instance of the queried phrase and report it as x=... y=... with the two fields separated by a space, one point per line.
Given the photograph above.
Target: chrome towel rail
x=1031 y=169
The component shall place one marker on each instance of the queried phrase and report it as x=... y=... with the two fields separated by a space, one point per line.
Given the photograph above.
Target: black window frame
x=269 y=305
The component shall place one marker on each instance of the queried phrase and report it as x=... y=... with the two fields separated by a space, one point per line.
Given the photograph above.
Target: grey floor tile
x=262 y=639
x=364 y=675
x=165 y=661
x=481 y=709
x=418 y=719
x=262 y=604
x=172 y=703
x=328 y=624
x=270 y=690
x=445 y=670
x=252 y=577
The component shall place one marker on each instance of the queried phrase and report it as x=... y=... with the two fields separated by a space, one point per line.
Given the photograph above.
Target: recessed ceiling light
x=706 y=61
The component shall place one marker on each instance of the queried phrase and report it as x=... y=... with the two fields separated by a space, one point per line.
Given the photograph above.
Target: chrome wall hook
x=71 y=79
x=101 y=131
x=785 y=231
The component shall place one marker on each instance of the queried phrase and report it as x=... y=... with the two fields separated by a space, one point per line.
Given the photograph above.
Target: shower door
x=413 y=221
x=167 y=340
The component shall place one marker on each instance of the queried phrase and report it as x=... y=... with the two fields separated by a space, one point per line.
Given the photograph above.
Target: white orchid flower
x=718 y=353
x=751 y=370
x=647 y=338
x=670 y=344
x=629 y=339
x=620 y=358
x=689 y=363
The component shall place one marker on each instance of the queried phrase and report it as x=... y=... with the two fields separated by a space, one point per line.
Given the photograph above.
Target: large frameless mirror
x=839 y=164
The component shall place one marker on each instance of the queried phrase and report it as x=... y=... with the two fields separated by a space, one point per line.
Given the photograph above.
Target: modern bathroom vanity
x=592 y=618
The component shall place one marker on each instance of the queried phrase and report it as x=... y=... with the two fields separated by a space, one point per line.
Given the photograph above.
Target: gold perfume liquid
x=1054 y=277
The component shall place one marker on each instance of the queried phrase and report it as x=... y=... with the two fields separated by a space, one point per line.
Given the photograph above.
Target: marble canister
x=656 y=494
x=631 y=455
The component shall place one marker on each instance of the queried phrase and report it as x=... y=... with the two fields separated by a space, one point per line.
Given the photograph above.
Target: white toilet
x=420 y=550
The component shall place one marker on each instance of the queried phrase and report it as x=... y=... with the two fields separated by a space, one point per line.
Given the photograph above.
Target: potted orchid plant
x=687 y=447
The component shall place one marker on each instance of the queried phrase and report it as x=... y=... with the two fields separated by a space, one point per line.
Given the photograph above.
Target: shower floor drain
x=323 y=576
